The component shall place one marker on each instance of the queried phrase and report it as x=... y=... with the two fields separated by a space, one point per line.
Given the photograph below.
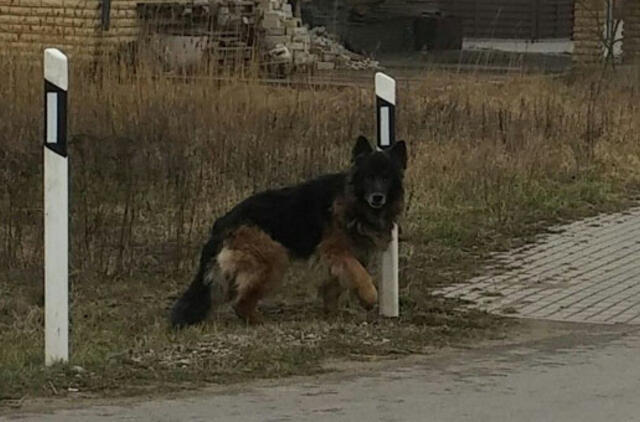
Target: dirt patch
x=336 y=370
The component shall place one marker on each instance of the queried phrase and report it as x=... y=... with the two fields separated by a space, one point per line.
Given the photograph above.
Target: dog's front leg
x=352 y=275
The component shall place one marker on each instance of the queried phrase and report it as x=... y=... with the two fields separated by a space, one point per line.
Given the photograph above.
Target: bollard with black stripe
x=56 y=208
x=386 y=118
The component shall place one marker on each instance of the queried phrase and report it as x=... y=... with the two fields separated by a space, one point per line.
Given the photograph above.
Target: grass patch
x=154 y=161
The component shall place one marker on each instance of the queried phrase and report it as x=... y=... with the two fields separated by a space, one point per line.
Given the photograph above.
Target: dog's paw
x=368 y=297
x=252 y=317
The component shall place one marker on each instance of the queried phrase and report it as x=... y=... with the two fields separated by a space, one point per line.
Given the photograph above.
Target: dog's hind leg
x=257 y=264
x=247 y=301
x=330 y=291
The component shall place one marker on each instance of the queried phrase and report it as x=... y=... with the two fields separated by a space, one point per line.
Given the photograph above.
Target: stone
x=293 y=23
x=325 y=65
x=271 y=32
x=301 y=57
x=281 y=54
x=301 y=38
x=272 y=41
x=272 y=20
x=302 y=31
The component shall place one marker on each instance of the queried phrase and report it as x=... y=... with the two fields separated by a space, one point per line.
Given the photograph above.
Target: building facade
x=92 y=27
x=593 y=32
x=79 y=27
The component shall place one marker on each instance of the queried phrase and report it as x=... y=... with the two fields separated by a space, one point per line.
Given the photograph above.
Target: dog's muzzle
x=376 y=200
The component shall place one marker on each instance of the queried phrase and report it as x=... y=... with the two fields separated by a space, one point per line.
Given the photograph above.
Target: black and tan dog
x=339 y=218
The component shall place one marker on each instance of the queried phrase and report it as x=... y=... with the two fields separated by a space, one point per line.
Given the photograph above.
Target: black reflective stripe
x=380 y=103
x=60 y=147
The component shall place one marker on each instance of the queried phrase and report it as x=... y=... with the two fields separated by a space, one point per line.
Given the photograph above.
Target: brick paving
x=586 y=271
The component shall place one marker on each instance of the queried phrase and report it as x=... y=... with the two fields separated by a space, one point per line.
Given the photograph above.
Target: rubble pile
x=332 y=54
x=231 y=32
x=284 y=36
x=290 y=42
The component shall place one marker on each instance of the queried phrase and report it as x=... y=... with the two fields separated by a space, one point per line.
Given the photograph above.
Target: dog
x=341 y=219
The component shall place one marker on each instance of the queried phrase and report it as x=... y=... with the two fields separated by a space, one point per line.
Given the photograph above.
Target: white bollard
x=56 y=209
x=386 y=112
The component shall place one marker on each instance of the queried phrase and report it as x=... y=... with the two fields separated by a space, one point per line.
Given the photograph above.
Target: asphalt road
x=572 y=373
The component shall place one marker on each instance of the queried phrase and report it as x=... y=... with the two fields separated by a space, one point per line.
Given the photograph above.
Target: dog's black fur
x=298 y=217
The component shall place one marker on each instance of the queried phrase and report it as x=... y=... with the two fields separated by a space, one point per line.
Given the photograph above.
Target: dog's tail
x=195 y=303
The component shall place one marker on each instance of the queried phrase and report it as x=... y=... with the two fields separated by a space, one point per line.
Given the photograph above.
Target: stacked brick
x=28 y=26
x=124 y=25
x=288 y=40
x=334 y=55
x=589 y=18
x=75 y=26
x=631 y=45
x=285 y=37
x=588 y=30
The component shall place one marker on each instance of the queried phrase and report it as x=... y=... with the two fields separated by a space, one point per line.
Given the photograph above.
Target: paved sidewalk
x=587 y=271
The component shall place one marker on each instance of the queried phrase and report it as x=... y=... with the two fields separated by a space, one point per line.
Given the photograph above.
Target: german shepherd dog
x=341 y=219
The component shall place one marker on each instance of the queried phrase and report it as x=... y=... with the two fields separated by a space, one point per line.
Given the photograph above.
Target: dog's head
x=376 y=176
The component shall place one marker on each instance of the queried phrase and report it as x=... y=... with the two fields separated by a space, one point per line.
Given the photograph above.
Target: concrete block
x=293 y=23
x=301 y=57
x=302 y=31
x=325 y=65
x=272 y=20
x=276 y=32
x=301 y=38
x=272 y=41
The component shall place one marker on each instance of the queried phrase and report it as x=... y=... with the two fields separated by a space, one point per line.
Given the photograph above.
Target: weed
x=155 y=160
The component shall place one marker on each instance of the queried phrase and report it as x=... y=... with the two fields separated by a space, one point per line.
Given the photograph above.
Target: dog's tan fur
x=255 y=264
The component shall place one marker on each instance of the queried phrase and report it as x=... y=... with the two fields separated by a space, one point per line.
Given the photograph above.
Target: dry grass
x=154 y=161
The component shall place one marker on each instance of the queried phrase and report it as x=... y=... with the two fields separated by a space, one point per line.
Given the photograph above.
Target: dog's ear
x=398 y=153
x=361 y=147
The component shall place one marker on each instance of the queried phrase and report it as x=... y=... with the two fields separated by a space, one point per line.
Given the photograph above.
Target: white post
x=613 y=30
x=386 y=111
x=56 y=209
